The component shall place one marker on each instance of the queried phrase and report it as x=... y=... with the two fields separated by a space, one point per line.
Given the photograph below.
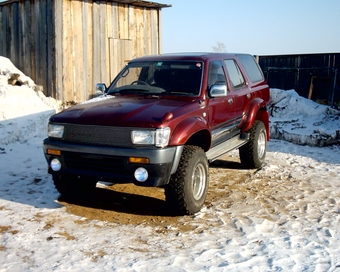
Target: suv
x=161 y=121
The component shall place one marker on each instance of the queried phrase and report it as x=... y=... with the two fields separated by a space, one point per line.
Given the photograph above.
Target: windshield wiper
x=179 y=93
x=133 y=91
x=137 y=89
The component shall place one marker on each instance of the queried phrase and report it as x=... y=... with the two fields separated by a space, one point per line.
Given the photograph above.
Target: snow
x=302 y=121
x=283 y=217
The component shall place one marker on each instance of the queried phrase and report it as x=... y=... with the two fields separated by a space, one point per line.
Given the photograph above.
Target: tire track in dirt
x=236 y=198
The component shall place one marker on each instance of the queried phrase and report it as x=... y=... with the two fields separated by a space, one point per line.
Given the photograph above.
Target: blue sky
x=259 y=27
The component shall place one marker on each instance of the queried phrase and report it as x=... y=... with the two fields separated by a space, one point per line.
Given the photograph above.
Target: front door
x=221 y=109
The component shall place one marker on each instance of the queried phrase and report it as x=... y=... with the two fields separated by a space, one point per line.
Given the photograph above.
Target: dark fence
x=314 y=76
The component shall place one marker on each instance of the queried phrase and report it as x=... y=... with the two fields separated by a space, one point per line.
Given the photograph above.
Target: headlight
x=55 y=131
x=158 y=137
x=143 y=137
x=162 y=137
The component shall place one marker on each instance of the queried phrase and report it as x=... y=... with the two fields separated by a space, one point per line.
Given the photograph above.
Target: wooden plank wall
x=70 y=45
x=297 y=72
x=27 y=39
x=98 y=38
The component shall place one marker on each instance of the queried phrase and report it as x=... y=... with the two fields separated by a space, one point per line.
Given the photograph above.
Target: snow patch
x=24 y=112
x=302 y=121
x=7 y=70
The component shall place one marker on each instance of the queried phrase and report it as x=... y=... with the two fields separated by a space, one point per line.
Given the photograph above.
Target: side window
x=236 y=77
x=216 y=73
x=252 y=69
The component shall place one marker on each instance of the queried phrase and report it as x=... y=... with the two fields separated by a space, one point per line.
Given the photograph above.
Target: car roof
x=202 y=56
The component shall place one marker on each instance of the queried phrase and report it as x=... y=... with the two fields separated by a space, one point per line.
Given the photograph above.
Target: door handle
x=230 y=101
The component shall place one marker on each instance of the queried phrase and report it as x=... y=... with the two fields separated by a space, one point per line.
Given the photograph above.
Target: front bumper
x=112 y=163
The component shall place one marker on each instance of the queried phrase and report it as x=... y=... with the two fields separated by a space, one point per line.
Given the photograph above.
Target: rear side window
x=235 y=74
x=252 y=69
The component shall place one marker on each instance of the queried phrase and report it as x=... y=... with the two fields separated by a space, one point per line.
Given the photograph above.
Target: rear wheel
x=188 y=187
x=253 y=154
x=72 y=185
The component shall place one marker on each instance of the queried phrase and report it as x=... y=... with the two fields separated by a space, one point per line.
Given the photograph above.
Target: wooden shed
x=68 y=46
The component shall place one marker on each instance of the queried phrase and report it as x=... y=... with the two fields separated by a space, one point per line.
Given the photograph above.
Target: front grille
x=100 y=163
x=98 y=135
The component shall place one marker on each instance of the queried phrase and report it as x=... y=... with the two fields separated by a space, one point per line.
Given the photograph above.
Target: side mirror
x=101 y=88
x=218 y=90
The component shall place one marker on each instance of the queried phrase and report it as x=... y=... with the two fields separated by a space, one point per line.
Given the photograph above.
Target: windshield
x=159 y=77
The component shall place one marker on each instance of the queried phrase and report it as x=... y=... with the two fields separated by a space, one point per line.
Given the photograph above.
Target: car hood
x=125 y=111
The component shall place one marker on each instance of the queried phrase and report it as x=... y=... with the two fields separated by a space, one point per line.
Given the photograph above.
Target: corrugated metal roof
x=142 y=3
x=139 y=3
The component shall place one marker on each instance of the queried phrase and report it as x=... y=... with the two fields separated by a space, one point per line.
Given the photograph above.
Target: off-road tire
x=253 y=154
x=188 y=187
x=72 y=185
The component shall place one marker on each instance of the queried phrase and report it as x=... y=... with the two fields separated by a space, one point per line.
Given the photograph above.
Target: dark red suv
x=160 y=123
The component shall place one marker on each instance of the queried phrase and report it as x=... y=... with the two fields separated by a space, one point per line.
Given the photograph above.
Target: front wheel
x=188 y=187
x=72 y=185
x=253 y=153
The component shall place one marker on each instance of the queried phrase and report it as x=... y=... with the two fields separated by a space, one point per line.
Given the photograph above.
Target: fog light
x=141 y=174
x=55 y=165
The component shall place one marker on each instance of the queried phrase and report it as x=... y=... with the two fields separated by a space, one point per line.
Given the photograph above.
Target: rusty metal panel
x=139 y=3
